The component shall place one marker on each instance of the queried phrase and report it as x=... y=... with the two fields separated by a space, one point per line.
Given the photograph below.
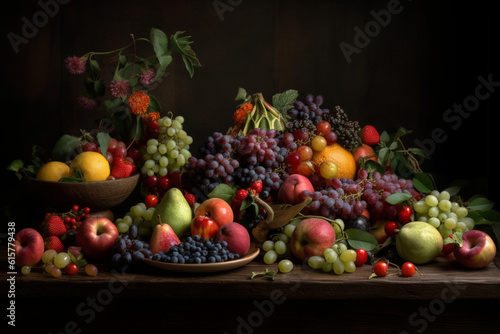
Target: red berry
x=153 y=125
x=323 y=128
x=255 y=186
x=380 y=268
x=86 y=209
x=113 y=143
x=391 y=228
x=150 y=201
x=361 y=257
x=404 y=215
x=241 y=194
x=71 y=269
x=163 y=183
x=151 y=181
x=293 y=159
x=120 y=152
x=135 y=154
x=407 y=269
x=190 y=198
x=75 y=208
x=90 y=146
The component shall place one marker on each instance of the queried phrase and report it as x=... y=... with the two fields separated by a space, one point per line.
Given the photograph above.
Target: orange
x=53 y=171
x=93 y=165
x=340 y=156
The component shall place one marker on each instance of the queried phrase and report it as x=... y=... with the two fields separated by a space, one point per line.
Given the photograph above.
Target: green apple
x=419 y=242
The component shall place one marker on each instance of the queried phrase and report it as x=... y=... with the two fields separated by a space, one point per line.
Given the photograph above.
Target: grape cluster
x=138 y=215
x=169 y=151
x=347 y=198
x=194 y=250
x=337 y=259
x=129 y=250
x=243 y=159
x=446 y=215
x=304 y=116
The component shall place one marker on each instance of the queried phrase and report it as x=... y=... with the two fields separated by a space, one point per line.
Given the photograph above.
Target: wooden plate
x=206 y=267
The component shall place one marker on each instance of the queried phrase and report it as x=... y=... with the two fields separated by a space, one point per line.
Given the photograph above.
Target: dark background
x=426 y=59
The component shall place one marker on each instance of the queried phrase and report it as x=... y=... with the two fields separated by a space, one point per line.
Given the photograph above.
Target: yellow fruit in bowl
x=53 y=171
x=93 y=166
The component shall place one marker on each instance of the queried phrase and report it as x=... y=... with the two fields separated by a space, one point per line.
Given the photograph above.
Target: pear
x=162 y=238
x=419 y=242
x=175 y=211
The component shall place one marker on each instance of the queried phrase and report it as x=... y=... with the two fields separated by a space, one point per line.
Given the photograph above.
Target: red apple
x=477 y=251
x=204 y=226
x=291 y=190
x=96 y=236
x=29 y=247
x=217 y=209
x=162 y=238
x=311 y=237
x=377 y=229
x=236 y=236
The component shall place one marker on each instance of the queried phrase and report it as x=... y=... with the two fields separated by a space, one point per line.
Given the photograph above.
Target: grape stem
x=268 y=273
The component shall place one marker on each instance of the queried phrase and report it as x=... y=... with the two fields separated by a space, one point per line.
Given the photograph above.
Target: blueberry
x=211 y=259
x=197 y=260
x=181 y=260
x=196 y=238
x=174 y=259
x=223 y=243
x=218 y=258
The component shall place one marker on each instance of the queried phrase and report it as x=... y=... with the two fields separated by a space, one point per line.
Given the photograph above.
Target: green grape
x=127 y=219
x=444 y=231
x=434 y=222
x=280 y=247
x=174 y=154
x=176 y=125
x=342 y=247
x=188 y=140
x=348 y=255
x=288 y=230
x=152 y=142
x=268 y=245
x=469 y=222
x=149 y=163
x=338 y=267
x=285 y=266
x=137 y=210
x=433 y=211
x=25 y=270
x=162 y=149
x=461 y=226
x=163 y=161
x=283 y=237
x=270 y=257
x=180 y=160
x=122 y=228
x=327 y=267
x=349 y=267
x=442 y=216
x=182 y=134
x=330 y=255
x=431 y=200
x=167 y=121
x=171 y=144
x=163 y=171
x=420 y=207
x=151 y=149
x=186 y=153
x=179 y=119
x=48 y=255
x=316 y=261
x=61 y=260
x=450 y=223
x=444 y=195
x=444 y=205
x=461 y=212
x=435 y=193
x=148 y=214
x=171 y=132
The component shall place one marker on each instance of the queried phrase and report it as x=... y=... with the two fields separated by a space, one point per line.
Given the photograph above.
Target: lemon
x=419 y=242
x=53 y=171
x=93 y=166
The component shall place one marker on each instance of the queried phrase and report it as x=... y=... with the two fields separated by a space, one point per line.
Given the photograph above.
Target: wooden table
x=446 y=297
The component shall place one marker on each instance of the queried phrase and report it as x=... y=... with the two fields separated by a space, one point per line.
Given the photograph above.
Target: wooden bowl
x=99 y=195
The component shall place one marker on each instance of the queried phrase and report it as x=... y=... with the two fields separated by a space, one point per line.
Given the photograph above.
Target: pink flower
x=75 y=65
x=147 y=77
x=87 y=103
x=119 y=88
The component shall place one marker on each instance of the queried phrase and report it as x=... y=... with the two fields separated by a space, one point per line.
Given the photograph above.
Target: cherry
x=323 y=128
x=407 y=269
x=361 y=257
x=151 y=181
x=71 y=269
x=404 y=215
x=293 y=159
x=150 y=201
x=90 y=146
x=391 y=228
x=120 y=152
x=380 y=268
x=163 y=183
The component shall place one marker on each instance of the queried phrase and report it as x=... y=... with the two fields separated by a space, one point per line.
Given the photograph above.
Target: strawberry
x=241 y=194
x=255 y=186
x=54 y=243
x=189 y=198
x=370 y=135
x=122 y=168
x=53 y=225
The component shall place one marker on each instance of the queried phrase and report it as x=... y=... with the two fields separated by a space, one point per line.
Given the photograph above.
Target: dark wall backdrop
x=427 y=58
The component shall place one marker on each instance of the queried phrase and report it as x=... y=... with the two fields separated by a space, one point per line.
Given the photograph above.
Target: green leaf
x=64 y=148
x=422 y=182
x=384 y=138
x=361 y=239
x=397 y=198
x=372 y=166
x=223 y=191
x=401 y=132
x=242 y=95
x=480 y=204
x=246 y=203
x=16 y=165
x=284 y=101
x=383 y=155
x=453 y=190
x=164 y=61
x=94 y=68
x=419 y=152
x=159 y=40
x=103 y=139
